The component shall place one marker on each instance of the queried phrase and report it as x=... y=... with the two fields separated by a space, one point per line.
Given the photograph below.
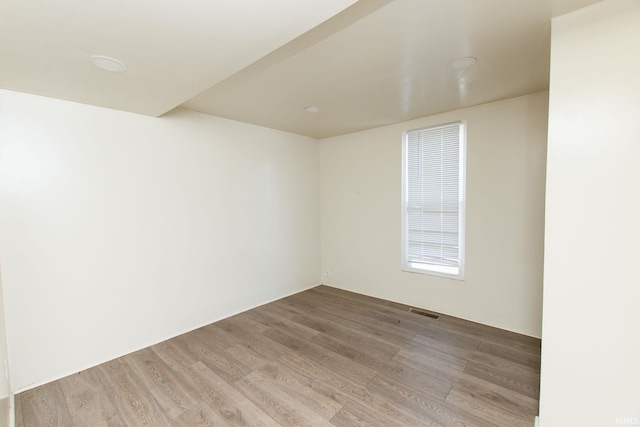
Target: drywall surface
x=118 y=231
x=361 y=216
x=590 y=339
x=5 y=397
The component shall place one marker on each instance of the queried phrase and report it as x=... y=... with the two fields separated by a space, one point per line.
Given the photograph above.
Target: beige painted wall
x=590 y=337
x=360 y=219
x=118 y=231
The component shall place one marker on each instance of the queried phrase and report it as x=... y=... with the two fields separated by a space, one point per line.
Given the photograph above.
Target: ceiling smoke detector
x=107 y=63
x=464 y=63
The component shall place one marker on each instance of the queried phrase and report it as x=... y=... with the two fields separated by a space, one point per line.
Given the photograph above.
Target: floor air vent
x=424 y=313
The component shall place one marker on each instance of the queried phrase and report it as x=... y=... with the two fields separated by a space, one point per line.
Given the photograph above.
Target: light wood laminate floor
x=318 y=358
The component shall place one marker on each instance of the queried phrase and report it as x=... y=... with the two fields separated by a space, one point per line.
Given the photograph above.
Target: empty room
x=308 y=213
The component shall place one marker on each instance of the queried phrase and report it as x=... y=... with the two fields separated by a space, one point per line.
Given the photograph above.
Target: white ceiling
x=364 y=64
x=173 y=49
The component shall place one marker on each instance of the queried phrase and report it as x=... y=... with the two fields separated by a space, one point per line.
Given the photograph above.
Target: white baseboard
x=536 y=422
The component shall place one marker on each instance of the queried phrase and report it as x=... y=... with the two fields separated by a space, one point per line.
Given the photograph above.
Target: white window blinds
x=434 y=199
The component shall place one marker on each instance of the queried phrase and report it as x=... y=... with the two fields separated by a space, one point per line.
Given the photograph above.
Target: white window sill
x=434 y=270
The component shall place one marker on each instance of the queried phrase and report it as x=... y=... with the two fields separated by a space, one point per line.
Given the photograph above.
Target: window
x=433 y=200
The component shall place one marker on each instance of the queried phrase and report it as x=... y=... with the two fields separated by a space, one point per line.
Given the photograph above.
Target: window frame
x=435 y=270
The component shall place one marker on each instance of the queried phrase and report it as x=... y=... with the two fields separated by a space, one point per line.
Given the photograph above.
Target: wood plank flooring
x=323 y=357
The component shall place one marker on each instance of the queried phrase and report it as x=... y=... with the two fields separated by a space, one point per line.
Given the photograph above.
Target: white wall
x=360 y=220
x=591 y=330
x=5 y=397
x=118 y=231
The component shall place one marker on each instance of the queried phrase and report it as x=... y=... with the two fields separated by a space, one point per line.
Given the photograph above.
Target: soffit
x=173 y=49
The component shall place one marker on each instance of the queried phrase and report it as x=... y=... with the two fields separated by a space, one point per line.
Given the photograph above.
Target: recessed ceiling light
x=464 y=63
x=311 y=109
x=109 y=64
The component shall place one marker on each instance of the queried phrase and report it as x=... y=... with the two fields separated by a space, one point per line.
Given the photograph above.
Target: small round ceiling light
x=312 y=109
x=460 y=64
x=109 y=64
